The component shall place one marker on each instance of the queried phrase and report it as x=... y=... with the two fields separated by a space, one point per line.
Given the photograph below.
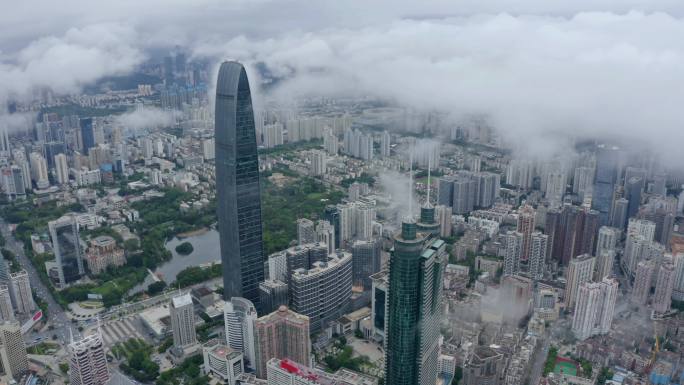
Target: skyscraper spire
x=409 y=217
x=429 y=184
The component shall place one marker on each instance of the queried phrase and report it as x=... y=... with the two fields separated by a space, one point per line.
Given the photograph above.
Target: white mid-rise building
x=239 y=316
x=183 y=321
x=222 y=361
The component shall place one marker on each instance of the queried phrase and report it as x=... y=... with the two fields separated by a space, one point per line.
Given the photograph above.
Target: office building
x=6 y=308
x=633 y=189
x=273 y=294
x=305 y=231
x=595 y=308
x=580 y=270
x=607 y=163
x=182 y=314
x=618 y=216
x=12 y=350
x=20 y=291
x=281 y=334
x=237 y=187
x=67 y=248
x=322 y=292
x=87 y=134
x=239 y=316
x=414 y=309
x=366 y=260
x=332 y=215
x=222 y=361
x=87 y=361
x=662 y=297
x=379 y=292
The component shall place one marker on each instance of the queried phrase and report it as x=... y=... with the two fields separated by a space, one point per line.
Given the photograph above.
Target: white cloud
x=538 y=68
x=145 y=119
x=68 y=62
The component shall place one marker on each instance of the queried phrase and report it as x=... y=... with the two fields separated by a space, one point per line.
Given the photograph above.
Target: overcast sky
x=538 y=68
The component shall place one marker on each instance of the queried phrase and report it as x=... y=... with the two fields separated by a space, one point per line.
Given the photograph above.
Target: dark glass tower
x=607 y=167
x=87 y=134
x=237 y=186
x=413 y=314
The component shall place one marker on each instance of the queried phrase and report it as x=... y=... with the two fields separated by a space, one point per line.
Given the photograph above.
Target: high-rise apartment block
x=580 y=270
x=662 y=297
x=323 y=291
x=305 y=231
x=525 y=226
x=572 y=232
x=643 y=277
x=467 y=190
x=281 y=334
x=595 y=307
x=6 y=308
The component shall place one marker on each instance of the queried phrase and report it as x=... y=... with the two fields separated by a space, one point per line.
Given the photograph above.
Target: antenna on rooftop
x=427 y=203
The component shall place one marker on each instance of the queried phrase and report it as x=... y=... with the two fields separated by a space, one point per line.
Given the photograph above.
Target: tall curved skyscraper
x=237 y=185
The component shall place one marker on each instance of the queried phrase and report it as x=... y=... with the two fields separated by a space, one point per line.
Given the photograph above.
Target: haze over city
x=275 y=192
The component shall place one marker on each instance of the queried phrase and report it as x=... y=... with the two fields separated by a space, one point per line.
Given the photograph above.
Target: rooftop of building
x=102 y=240
x=182 y=300
x=220 y=350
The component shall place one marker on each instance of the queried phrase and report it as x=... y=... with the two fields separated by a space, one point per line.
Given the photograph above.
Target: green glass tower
x=414 y=311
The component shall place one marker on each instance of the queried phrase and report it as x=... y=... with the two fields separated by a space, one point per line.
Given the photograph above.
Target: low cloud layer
x=147 y=118
x=540 y=70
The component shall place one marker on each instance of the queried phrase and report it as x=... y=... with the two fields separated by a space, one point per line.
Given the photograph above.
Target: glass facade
x=67 y=248
x=237 y=185
x=412 y=334
x=87 y=134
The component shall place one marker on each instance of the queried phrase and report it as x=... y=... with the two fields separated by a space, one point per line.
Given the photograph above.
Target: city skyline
x=387 y=193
